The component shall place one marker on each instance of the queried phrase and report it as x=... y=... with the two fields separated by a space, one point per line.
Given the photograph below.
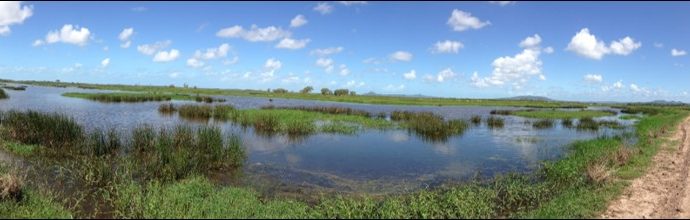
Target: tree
x=280 y=90
x=353 y=93
x=306 y=90
x=326 y=91
x=340 y=92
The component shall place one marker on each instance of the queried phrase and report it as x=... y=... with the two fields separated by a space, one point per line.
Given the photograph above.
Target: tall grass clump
x=476 y=119
x=101 y=143
x=205 y=112
x=567 y=122
x=208 y=99
x=173 y=154
x=324 y=109
x=429 y=125
x=3 y=95
x=501 y=112
x=52 y=130
x=494 y=122
x=167 y=108
x=647 y=110
x=587 y=124
x=542 y=124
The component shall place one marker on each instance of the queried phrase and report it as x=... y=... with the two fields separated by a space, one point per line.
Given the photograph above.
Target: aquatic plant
x=430 y=126
x=121 y=97
x=3 y=95
x=587 y=124
x=501 y=112
x=52 y=130
x=324 y=109
x=494 y=122
x=167 y=108
x=476 y=119
x=567 y=122
x=542 y=124
x=208 y=99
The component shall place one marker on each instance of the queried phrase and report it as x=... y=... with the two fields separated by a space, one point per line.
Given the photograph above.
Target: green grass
x=34 y=205
x=17 y=148
x=560 y=114
x=630 y=117
x=429 y=126
x=298 y=121
x=391 y=100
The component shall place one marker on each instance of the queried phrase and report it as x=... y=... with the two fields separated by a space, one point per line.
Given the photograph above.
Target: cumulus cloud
x=461 y=21
x=593 y=78
x=69 y=34
x=209 y=54
x=447 y=46
x=516 y=70
x=442 y=76
x=271 y=66
x=150 y=49
x=323 y=8
x=166 y=56
x=289 y=43
x=658 y=45
x=502 y=3
x=548 y=50
x=354 y=83
x=298 y=21
x=635 y=88
x=587 y=45
x=410 y=75
x=124 y=37
x=675 y=52
x=401 y=56
x=327 y=51
x=12 y=13
x=105 y=62
x=326 y=63
x=254 y=34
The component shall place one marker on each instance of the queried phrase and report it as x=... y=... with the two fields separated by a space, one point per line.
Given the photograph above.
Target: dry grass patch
x=11 y=187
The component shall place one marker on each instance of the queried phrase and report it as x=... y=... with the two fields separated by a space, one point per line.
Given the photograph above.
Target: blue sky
x=584 y=51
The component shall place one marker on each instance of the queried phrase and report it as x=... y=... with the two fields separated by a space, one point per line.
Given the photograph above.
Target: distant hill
x=529 y=98
x=664 y=102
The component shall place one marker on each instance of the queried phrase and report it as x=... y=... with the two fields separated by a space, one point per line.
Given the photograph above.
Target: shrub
x=306 y=90
x=341 y=92
x=326 y=91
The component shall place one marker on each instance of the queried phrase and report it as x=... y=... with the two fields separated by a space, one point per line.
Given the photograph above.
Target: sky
x=579 y=51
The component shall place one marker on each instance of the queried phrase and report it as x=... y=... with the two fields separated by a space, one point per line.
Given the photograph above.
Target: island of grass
x=140 y=97
x=560 y=114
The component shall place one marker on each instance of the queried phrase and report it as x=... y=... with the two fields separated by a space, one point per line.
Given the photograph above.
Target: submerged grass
x=543 y=124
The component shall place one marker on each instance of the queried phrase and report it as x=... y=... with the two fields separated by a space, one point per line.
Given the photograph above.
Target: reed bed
x=3 y=94
x=324 y=109
x=430 y=126
x=494 y=122
x=543 y=124
x=121 y=97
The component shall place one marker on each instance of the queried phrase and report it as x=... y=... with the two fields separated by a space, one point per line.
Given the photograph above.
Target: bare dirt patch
x=664 y=190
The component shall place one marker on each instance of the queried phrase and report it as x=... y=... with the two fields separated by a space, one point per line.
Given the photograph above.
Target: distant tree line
x=309 y=89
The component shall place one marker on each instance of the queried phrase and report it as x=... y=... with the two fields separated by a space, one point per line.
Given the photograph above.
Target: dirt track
x=664 y=190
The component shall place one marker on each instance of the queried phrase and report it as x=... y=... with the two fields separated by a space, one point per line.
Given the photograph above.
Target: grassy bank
x=557 y=114
x=367 y=99
x=18 y=200
x=577 y=186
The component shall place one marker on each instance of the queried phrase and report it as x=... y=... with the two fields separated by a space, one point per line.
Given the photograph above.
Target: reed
x=494 y=122
x=543 y=124
x=430 y=126
x=121 y=97
x=52 y=130
x=167 y=108
x=476 y=119
x=3 y=95
x=324 y=109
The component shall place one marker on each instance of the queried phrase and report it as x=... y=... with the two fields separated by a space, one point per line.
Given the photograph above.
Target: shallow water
x=371 y=160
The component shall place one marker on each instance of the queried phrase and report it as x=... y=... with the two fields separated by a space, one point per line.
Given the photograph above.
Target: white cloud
x=327 y=51
x=150 y=49
x=675 y=52
x=442 y=76
x=193 y=62
x=461 y=21
x=548 y=50
x=323 y=8
x=618 y=84
x=166 y=56
x=624 y=46
x=516 y=70
x=271 y=66
x=587 y=45
x=658 y=45
x=69 y=34
x=593 y=78
x=348 y=3
x=124 y=37
x=12 y=13
x=401 y=56
x=298 y=21
x=326 y=63
x=105 y=62
x=635 y=88
x=502 y=3
x=447 y=46
x=410 y=75
x=174 y=75
x=254 y=34
x=344 y=71
x=531 y=42
x=289 y=43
